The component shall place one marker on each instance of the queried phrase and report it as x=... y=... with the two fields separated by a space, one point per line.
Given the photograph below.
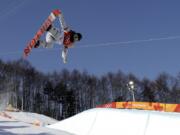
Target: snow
x=32 y=117
x=98 y=121
x=106 y=121
x=22 y=123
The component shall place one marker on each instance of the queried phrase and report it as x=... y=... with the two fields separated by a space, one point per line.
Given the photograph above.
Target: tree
x=117 y=82
x=148 y=93
x=162 y=89
x=38 y=104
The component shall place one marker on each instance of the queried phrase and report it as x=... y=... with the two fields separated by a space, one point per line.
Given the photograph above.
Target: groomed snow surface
x=104 y=121
x=22 y=123
x=98 y=121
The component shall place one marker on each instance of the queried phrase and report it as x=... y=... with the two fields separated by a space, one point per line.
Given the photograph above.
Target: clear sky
x=135 y=22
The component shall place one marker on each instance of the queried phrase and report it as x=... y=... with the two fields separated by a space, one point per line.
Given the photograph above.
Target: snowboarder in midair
x=63 y=35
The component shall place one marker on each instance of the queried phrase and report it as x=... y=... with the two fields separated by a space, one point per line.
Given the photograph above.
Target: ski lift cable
x=7 y=7
x=128 y=42
x=12 y=8
x=99 y=45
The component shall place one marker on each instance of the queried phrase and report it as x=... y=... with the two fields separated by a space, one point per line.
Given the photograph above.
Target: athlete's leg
x=64 y=54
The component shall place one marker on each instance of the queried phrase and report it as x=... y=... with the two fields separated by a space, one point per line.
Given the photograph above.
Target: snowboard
x=46 y=24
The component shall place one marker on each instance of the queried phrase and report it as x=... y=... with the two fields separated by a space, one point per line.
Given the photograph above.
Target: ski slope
x=22 y=123
x=106 y=121
x=98 y=121
x=32 y=118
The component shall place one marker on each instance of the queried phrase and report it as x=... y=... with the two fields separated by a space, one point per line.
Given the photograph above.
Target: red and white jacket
x=62 y=35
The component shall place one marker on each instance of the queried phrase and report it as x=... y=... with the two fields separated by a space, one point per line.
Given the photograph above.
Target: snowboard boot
x=41 y=43
x=37 y=44
x=50 y=26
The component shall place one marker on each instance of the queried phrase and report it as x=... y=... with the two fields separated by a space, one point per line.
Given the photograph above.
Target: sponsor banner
x=143 y=106
x=109 y=105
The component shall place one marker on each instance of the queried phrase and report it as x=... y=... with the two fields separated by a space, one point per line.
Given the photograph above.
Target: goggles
x=76 y=37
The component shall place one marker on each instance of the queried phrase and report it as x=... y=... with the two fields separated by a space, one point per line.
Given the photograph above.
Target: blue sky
x=100 y=22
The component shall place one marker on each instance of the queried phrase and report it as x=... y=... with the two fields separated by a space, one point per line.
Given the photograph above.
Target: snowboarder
x=63 y=35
